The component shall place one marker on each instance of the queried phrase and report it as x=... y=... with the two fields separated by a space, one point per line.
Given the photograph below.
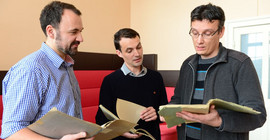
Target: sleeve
x=176 y=98
x=21 y=90
x=249 y=94
x=163 y=98
x=105 y=99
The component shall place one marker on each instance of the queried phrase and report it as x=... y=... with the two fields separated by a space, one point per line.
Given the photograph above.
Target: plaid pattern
x=34 y=85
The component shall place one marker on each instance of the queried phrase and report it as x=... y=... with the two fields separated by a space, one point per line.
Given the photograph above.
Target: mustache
x=75 y=43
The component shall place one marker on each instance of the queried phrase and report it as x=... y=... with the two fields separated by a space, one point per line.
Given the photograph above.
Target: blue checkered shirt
x=34 y=85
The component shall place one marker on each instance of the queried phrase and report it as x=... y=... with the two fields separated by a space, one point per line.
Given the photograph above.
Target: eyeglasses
x=205 y=35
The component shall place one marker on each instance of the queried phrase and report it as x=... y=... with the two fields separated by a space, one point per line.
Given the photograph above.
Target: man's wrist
x=220 y=128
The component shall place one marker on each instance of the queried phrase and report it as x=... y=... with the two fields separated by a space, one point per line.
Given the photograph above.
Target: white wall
x=164 y=24
x=20 y=32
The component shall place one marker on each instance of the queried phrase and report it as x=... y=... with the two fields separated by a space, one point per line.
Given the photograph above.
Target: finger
x=75 y=136
x=147 y=110
x=188 y=116
x=151 y=118
x=179 y=114
x=161 y=119
x=80 y=135
x=129 y=135
x=212 y=107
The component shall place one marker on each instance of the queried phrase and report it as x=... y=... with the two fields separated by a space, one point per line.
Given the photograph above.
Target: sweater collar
x=221 y=57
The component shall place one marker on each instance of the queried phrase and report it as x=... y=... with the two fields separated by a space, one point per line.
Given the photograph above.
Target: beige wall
x=164 y=24
x=20 y=32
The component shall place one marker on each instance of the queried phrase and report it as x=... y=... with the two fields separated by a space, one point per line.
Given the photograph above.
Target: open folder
x=129 y=112
x=56 y=124
x=169 y=111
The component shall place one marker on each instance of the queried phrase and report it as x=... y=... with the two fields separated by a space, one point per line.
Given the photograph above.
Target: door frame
x=230 y=34
x=232 y=24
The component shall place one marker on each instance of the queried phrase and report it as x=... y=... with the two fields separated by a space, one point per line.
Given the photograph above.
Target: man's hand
x=131 y=136
x=77 y=136
x=212 y=118
x=27 y=134
x=161 y=119
x=149 y=114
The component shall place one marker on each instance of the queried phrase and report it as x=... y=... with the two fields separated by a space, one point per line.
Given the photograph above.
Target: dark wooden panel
x=102 y=61
x=150 y=61
x=2 y=75
x=96 y=61
x=170 y=77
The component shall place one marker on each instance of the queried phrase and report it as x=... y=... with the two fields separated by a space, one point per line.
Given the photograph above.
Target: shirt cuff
x=220 y=128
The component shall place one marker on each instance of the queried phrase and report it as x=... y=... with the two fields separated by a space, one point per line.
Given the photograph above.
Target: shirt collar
x=126 y=71
x=55 y=58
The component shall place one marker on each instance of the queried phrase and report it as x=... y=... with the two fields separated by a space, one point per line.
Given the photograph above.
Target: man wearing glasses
x=216 y=72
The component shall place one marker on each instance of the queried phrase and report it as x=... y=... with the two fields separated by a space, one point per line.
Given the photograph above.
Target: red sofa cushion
x=91 y=78
x=1 y=108
x=170 y=92
x=90 y=82
x=167 y=133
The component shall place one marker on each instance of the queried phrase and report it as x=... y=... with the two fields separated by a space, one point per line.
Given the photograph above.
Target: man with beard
x=45 y=78
x=134 y=83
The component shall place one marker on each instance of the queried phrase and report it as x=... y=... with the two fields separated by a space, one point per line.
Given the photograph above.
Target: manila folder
x=56 y=124
x=169 y=111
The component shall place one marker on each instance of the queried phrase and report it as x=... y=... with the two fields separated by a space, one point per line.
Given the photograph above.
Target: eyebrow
x=76 y=29
x=135 y=47
x=138 y=44
x=204 y=30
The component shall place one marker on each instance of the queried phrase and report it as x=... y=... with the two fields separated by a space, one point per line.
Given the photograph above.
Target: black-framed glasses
x=205 y=35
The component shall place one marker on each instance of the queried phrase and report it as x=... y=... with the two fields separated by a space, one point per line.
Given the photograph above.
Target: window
x=252 y=36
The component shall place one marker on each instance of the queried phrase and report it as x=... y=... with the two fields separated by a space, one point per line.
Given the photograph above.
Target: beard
x=69 y=50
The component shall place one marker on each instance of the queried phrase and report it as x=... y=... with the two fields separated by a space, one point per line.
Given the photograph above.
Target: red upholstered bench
x=90 y=82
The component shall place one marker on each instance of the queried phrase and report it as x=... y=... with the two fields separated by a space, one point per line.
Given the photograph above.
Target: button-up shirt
x=34 y=85
x=126 y=71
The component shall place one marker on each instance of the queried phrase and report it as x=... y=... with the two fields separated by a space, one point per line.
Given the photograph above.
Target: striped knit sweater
x=194 y=129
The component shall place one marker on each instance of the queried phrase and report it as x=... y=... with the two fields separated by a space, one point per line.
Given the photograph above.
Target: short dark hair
x=124 y=33
x=52 y=14
x=209 y=12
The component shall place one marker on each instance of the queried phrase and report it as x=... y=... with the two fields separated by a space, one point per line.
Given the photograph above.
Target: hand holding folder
x=56 y=124
x=127 y=111
x=168 y=111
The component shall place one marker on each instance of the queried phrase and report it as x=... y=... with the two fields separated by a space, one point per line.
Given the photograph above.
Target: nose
x=136 y=52
x=79 y=37
x=200 y=39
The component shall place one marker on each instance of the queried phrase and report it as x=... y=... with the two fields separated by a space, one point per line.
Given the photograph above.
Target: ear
x=119 y=53
x=51 y=33
x=222 y=32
